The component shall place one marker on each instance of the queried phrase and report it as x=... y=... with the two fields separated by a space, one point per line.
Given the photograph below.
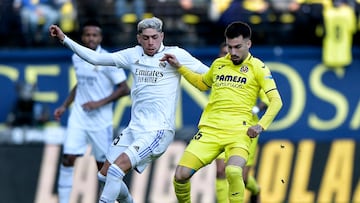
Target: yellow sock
x=236 y=183
x=252 y=185
x=222 y=190
x=182 y=191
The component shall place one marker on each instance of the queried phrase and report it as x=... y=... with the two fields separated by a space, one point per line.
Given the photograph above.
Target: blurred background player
x=27 y=112
x=340 y=27
x=91 y=118
x=221 y=184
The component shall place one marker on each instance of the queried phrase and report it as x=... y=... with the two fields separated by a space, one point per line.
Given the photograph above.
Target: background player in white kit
x=154 y=96
x=91 y=117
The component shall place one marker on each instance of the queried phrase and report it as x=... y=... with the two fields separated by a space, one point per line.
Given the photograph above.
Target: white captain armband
x=255 y=110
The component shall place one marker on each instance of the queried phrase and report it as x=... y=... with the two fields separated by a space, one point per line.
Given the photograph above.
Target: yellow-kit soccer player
x=221 y=184
x=225 y=124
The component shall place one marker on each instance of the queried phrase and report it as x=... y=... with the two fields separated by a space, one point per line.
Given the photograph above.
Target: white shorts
x=77 y=140
x=141 y=147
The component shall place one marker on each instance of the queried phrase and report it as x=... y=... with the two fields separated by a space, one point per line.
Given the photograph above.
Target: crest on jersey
x=162 y=64
x=244 y=69
x=136 y=148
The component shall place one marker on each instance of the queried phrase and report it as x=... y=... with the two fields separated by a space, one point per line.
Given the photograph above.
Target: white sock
x=124 y=195
x=101 y=177
x=65 y=183
x=113 y=184
x=102 y=180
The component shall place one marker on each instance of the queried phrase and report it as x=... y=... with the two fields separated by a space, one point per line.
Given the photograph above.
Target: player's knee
x=233 y=172
x=182 y=174
x=220 y=169
x=105 y=168
x=220 y=173
x=99 y=165
x=68 y=160
x=246 y=173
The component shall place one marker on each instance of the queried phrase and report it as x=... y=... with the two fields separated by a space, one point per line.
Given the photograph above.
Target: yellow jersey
x=234 y=92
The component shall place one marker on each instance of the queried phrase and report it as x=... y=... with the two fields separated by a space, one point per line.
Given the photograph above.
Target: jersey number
x=197 y=136
x=117 y=139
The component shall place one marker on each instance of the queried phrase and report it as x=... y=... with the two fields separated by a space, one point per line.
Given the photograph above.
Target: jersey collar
x=249 y=56
x=161 y=49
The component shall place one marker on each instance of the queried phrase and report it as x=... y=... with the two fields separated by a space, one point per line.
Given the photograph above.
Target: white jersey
x=156 y=86
x=93 y=83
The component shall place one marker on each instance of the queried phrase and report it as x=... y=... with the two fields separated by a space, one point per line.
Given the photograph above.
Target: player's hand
x=254 y=131
x=59 y=112
x=171 y=59
x=89 y=106
x=56 y=32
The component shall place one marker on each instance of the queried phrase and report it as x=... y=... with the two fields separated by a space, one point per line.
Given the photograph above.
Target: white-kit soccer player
x=154 y=96
x=91 y=116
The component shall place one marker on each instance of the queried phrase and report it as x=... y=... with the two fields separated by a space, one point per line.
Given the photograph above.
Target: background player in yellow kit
x=340 y=27
x=226 y=122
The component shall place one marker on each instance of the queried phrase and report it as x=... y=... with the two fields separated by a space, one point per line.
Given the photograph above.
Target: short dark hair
x=237 y=29
x=91 y=22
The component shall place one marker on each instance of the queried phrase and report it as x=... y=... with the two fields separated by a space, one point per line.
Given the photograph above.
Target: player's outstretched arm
x=89 y=55
x=193 y=78
x=275 y=104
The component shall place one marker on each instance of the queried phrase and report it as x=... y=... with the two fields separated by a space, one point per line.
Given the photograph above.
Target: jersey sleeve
x=263 y=97
x=273 y=109
x=268 y=85
x=192 y=63
x=123 y=57
x=207 y=78
x=193 y=78
x=265 y=79
x=89 y=55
